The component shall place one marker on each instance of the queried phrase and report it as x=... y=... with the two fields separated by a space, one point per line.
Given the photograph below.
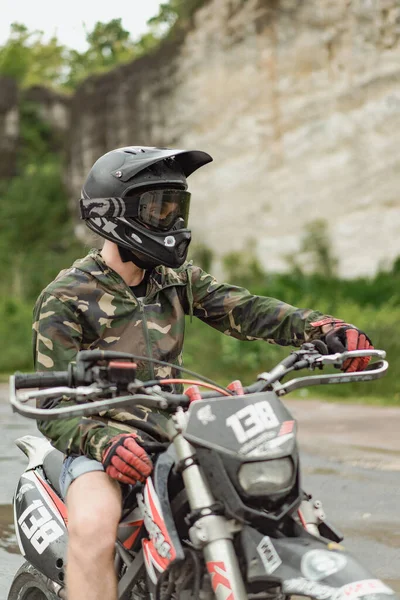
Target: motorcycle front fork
x=211 y=533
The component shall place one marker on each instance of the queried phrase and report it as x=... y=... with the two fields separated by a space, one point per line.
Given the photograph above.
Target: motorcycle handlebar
x=169 y=401
x=47 y=379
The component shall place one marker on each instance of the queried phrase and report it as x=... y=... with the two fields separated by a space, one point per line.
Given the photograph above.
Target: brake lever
x=340 y=357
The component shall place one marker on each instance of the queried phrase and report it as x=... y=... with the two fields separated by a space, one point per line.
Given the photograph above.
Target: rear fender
x=40 y=519
x=35 y=448
x=307 y=566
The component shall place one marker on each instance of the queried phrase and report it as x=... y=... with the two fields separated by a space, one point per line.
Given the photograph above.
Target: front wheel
x=30 y=584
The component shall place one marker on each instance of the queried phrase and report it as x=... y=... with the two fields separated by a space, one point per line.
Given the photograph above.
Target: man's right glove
x=340 y=336
x=125 y=461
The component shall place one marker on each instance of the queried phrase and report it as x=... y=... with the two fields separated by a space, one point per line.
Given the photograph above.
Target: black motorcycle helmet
x=137 y=198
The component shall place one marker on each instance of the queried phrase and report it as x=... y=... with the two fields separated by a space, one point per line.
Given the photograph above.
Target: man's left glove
x=341 y=336
x=125 y=461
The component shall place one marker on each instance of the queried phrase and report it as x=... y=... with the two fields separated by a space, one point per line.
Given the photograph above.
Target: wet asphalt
x=350 y=460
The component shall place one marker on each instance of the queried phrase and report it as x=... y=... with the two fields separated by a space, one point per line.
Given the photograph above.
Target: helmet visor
x=161 y=209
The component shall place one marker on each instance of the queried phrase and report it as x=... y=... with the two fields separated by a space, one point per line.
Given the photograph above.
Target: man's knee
x=94 y=511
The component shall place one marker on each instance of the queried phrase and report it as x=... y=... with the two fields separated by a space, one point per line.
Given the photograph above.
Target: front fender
x=307 y=566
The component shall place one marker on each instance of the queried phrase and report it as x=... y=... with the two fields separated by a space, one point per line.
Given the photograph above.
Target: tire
x=30 y=584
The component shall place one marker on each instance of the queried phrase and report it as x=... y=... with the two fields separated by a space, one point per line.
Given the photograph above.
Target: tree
x=30 y=60
x=317 y=244
x=109 y=45
x=170 y=12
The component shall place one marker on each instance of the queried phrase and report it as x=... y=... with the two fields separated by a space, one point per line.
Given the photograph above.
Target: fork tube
x=210 y=532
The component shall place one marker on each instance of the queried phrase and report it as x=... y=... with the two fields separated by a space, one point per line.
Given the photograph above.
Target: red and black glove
x=125 y=461
x=344 y=336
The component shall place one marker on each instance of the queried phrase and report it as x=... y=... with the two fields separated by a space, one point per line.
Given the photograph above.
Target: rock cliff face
x=299 y=103
x=50 y=107
x=9 y=127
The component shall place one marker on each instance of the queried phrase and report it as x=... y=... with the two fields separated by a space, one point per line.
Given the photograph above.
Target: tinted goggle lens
x=161 y=209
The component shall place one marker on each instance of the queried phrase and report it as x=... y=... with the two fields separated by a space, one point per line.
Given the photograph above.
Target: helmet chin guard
x=136 y=197
x=168 y=248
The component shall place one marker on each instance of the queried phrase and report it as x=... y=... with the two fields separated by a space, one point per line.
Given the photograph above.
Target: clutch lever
x=83 y=391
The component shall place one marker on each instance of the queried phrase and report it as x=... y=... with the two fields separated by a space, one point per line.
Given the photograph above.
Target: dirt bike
x=223 y=514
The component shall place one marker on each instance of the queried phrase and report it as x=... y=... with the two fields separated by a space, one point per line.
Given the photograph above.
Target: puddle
x=383 y=534
x=8 y=540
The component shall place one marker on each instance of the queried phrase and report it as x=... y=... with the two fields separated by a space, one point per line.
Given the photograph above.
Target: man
x=133 y=297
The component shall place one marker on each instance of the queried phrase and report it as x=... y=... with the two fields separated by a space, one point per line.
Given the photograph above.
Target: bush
x=16 y=336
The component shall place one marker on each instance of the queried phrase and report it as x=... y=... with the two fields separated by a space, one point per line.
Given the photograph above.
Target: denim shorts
x=74 y=466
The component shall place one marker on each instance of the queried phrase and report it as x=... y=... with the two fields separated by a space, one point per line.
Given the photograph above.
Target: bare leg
x=94 y=510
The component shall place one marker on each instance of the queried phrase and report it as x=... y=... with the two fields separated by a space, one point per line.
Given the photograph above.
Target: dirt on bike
x=223 y=514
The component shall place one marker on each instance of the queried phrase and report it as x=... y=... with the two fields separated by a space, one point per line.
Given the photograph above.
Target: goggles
x=158 y=209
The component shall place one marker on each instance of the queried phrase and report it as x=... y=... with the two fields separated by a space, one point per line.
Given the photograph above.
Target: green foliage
x=109 y=44
x=174 y=12
x=172 y=16
x=15 y=333
x=243 y=268
x=316 y=250
x=31 y=61
x=170 y=12
x=165 y=19
x=37 y=135
x=36 y=229
x=201 y=255
x=36 y=234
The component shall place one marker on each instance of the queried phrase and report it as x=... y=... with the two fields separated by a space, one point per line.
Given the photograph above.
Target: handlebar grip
x=41 y=379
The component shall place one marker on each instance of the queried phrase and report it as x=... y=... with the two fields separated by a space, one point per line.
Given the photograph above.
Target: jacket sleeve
x=236 y=312
x=57 y=338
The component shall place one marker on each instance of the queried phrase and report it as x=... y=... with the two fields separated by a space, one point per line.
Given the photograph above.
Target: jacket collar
x=160 y=278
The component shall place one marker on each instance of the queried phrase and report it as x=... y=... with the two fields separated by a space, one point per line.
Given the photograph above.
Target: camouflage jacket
x=90 y=306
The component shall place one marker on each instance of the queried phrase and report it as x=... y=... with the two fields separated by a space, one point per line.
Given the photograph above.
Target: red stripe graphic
x=159 y=521
x=286 y=427
x=128 y=543
x=219 y=576
x=62 y=509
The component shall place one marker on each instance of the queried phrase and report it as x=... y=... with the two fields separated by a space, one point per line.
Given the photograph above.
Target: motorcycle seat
x=52 y=465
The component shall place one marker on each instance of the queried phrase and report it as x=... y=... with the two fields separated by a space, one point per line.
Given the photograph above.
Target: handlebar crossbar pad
x=41 y=379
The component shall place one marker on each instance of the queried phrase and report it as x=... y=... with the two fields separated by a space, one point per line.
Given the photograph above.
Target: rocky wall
x=299 y=103
x=51 y=107
x=9 y=129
